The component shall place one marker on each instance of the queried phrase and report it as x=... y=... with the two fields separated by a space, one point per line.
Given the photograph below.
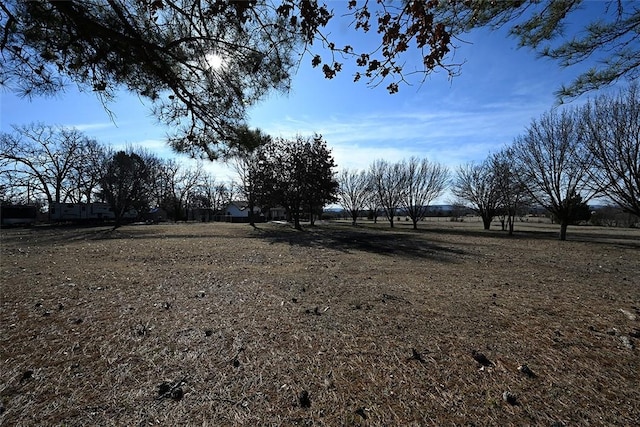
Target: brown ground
x=331 y=326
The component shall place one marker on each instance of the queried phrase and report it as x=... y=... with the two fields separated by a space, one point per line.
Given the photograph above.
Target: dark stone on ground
x=304 y=399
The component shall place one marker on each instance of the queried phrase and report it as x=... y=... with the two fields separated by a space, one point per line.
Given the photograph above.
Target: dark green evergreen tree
x=125 y=184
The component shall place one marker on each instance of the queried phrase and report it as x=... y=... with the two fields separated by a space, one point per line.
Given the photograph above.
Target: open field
x=331 y=326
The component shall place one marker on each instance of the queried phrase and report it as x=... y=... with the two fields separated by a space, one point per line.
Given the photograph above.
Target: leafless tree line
x=563 y=160
x=409 y=184
x=45 y=164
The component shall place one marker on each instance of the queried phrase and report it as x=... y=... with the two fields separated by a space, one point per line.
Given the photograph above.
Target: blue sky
x=500 y=90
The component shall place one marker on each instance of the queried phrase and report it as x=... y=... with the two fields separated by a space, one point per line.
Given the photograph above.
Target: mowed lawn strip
x=223 y=324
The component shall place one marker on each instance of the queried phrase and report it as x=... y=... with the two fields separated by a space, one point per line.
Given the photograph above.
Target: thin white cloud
x=448 y=136
x=89 y=127
x=156 y=146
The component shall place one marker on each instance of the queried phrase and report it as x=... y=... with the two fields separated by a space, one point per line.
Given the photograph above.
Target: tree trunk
x=511 y=221
x=58 y=188
x=486 y=222
x=312 y=221
x=252 y=222
x=563 y=230
x=415 y=223
x=118 y=219
x=354 y=217
x=295 y=216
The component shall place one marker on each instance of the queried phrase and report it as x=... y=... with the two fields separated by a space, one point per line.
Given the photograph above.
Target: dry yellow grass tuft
x=222 y=324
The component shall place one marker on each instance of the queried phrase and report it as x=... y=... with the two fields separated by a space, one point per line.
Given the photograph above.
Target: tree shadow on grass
x=619 y=237
x=356 y=239
x=57 y=234
x=493 y=233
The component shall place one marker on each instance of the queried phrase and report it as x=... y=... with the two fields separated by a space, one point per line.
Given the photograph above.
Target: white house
x=238 y=211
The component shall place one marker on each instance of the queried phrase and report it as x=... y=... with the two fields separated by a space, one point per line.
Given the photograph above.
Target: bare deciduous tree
x=388 y=186
x=423 y=182
x=512 y=194
x=554 y=165
x=353 y=192
x=475 y=185
x=85 y=174
x=611 y=130
x=44 y=156
x=179 y=182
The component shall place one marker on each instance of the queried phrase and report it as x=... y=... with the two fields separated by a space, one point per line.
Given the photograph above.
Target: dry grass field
x=221 y=324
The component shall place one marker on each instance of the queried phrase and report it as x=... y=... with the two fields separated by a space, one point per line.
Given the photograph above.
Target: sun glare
x=214 y=61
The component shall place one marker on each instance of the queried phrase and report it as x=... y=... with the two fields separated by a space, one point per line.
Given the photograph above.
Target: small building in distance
x=238 y=211
x=156 y=215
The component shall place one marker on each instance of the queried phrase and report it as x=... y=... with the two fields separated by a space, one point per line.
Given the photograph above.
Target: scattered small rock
x=612 y=331
x=38 y=304
x=177 y=394
x=635 y=333
x=481 y=358
x=626 y=341
x=236 y=362
x=46 y=313
x=415 y=355
x=526 y=370
x=78 y=320
x=294 y=300
x=171 y=390
x=629 y=314
x=304 y=399
x=315 y=311
x=164 y=389
x=208 y=332
x=329 y=383
x=26 y=375
x=362 y=412
x=510 y=398
x=167 y=305
x=60 y=306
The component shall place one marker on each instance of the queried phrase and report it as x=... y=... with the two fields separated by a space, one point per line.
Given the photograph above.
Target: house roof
x=240 y=204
